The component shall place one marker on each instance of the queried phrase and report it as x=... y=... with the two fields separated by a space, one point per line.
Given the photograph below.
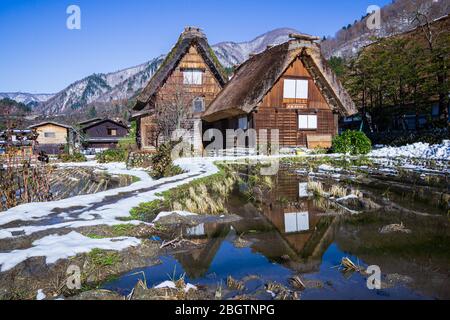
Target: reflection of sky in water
x=229 y=260
x=350 y=286
x=296 y=222
x=241 y=262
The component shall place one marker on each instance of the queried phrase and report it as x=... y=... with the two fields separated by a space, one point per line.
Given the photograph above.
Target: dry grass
x=337 y=191
x=297 y=283
x=316 y=187
x=349 y=266
x=234 y=284
x=357 y=193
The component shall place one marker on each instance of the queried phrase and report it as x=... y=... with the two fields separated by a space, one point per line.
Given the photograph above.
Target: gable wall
x=273 y=113
x=59 y=138
x=210 y=86
x=174 y=86
x=297 y=70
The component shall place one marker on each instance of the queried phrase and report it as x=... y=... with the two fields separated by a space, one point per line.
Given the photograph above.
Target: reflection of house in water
x=196 y=262
x=286 y=224
x=301 y=225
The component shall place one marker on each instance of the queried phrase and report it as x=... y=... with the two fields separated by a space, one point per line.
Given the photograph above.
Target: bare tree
x=173 y=110
x=436 y=37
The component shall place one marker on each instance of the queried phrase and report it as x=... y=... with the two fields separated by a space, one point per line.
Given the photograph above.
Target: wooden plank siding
x=59 y=134
x=275 y=112
x=208 y=90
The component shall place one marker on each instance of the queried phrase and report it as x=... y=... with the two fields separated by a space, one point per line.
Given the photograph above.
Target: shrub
x=76 y=157
x=146 y=211
x=112 y=155
x=129 y=142
x=140 y=159
x=352 y=142
x=162 y=164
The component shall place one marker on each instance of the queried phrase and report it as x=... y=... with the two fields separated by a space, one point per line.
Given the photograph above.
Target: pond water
x=289 y=233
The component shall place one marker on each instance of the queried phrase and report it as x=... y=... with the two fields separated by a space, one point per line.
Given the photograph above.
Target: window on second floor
x=192 y=76
x=295 y=89
x=198 y=105
x=112 y=132
x=49 y=134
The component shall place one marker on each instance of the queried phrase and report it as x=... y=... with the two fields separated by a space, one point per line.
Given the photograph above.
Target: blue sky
x=40 y=55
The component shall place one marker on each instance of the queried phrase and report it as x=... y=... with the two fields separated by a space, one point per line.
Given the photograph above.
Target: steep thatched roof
x=253 y=80
x=190 y=36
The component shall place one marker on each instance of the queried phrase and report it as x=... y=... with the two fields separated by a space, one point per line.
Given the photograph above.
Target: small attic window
x=198 y=105
x=192 y=76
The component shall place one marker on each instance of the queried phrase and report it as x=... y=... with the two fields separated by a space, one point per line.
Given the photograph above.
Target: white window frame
x=202 y=100
x=301 y=90
x=289 y=89
x=295 y=88
x=49 y=134
x=307 y=122
x=296 y=222
x=192 y=76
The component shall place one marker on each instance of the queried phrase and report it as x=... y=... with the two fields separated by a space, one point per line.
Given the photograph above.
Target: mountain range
x=29 y=99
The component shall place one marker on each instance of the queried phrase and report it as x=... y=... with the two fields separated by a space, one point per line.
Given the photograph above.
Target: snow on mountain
x=26 y=98
x=132 y=83
x=113 y=86
x=126 y=83
x=232 y=53
x=396 y=18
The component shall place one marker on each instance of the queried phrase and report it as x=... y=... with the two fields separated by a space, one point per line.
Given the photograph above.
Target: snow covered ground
x=104 y=208
x=416 y=150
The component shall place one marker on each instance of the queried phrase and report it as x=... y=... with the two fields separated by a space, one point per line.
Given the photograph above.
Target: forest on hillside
x=398 y=75
x=397 y=17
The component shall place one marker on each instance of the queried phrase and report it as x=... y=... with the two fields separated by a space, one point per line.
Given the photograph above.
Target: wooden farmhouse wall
x=51 y=134
x=101 y=130
x=276 y=112
x=174 y=86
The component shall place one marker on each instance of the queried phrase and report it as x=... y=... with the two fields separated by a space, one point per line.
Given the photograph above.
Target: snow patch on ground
x=179 y=213
x=104 y=208
x=189 y=286
x=166 y=284
x=416 y=150
x=172 y=285
x=40 y=295
x=350 y=196
x=326 y=167
x=56 y=247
